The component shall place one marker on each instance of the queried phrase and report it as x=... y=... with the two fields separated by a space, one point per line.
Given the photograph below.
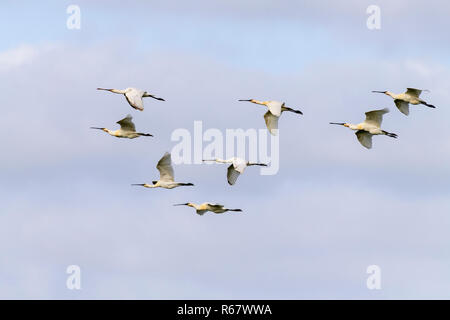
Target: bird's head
x=341 y=124
x=184 y=204
x=103 y=129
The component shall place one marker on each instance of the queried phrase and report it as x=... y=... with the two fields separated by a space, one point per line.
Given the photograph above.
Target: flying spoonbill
x=369 y=127
x=201 y=209
x=402 y=100
x=134 y=96
x=166 y=176
x=127 y=129
x=237 y=167
x=276 y=108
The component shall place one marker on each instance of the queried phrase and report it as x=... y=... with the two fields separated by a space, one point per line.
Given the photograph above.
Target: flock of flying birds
x=364 y=131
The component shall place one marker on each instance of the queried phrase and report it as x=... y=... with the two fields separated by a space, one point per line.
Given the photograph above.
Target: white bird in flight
x=166 y=176
x=402 y=100
x=134 y=96
x=201 y=209
x=369 y=127
x=276 y=108
x=237 y=167
x=127 y=129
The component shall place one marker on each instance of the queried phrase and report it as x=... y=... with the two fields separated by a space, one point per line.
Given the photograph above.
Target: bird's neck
x=222 y=160
x=193 y=205
x=259 y=102
x=392 y=95
x=150 y=185
x=112 y=132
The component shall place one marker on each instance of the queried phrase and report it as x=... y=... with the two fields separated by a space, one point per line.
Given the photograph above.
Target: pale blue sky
x=310 y=231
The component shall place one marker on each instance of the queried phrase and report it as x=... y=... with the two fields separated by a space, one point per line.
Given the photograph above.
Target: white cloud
x=17 y=57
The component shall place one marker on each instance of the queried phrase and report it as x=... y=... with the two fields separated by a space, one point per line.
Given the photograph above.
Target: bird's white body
x=369 y=127
x=127 y=129
x=236 y=168
x=239 y=164
x=166 y=175
x=164 y=184
x=134 y=96
x=275 y=109
x=201 y=209
x=122 y=134
x=372 y=129
x=402 y=100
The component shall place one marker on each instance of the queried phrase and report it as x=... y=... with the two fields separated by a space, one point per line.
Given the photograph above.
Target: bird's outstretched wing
x=271 y=122
x=275 y=107
x=232 y=175
x=134 y=98
x=375 y=117
x=126 y=124
x=403 y=106
x=365 y=138
x=215 y=206
x=201 y=212
x=165 y=168
x=413 y=92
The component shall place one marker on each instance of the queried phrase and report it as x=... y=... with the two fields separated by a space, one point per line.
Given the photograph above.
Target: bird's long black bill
x=248 y=100
x=97 y=128
x=138 y=184
x=379 y=91
x=181 y=204
x=338 y=123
